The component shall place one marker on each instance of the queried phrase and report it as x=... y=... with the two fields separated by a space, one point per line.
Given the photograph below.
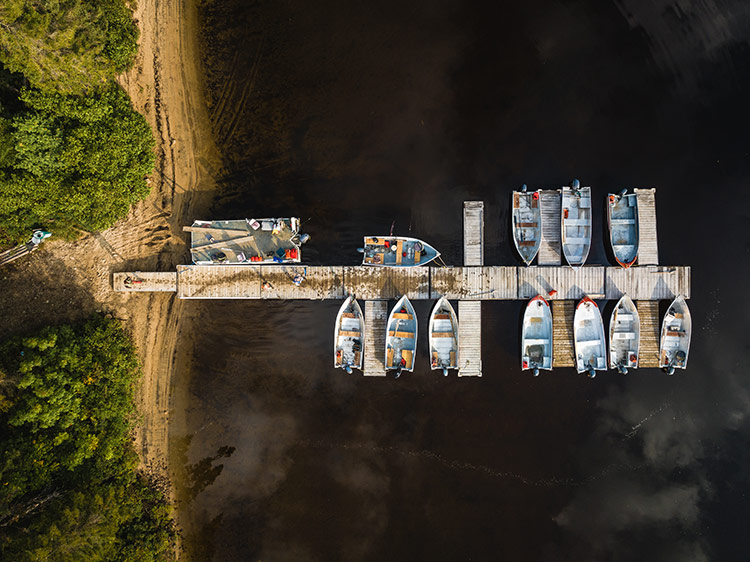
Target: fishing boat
x=624 y=336
x=401 y=339
x=527 y=223
x=588 y=336
x=675 y=336
x=536 y=336
x=576 y=223
x=622 y=216
x=396 y=251
x=348 y=336
x=443 y=337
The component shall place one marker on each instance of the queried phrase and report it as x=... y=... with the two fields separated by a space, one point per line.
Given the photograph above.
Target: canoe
x=443 y=330
x=675 y=336
x=401 y=337
x=527 y=223
x=536 y=336
x=622 y=216
x=396 y=251
x=588 y=336
x=624 y=336
x=576 y=224
x=349 y=336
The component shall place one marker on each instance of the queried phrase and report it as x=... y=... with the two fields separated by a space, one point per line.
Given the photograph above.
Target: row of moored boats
x=536 y=337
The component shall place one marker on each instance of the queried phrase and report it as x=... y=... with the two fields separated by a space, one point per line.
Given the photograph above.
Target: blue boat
x=397 y=251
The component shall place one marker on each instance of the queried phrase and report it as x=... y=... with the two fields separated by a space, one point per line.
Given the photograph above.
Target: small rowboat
x=624 y=336
x=588 y=336
x=349 y=336
x=443 y=337
x=401 y=339
x=527 y=223
x=622 y=216
x=396 y=251
x=675 y=336
x=536 y=336
x=576 y=224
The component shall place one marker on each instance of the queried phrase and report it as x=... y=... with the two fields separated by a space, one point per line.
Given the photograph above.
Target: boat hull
x=676 y=329
x=576 y=225
x=401 y=337
x=397 y=251
x=527 y=223
x=443 y=331
x=624 y=335
x=588 y=336
x=536 y=335
x=349 y=336
x=622 y=218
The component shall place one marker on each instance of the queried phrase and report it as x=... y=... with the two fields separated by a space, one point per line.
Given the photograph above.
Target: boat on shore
x=396 y=251
x=527 y=223
x=576 y=224
x=401 y=337
x=624 y=336
x=622 y=216
x=348 y=336
x=443 y=330
x=588 y=336
x=676 y=329
x=536 y=336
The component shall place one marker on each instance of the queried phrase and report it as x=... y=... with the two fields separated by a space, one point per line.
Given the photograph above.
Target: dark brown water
x=355 y=115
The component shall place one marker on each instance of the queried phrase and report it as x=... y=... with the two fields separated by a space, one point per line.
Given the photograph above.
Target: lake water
x=355 y=115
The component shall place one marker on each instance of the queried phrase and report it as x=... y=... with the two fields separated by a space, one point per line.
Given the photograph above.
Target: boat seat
x=349 y=333
x=624 y=336
x=568 y=241
x=618 y=222
x=577 y=222
x=357 y=358
x=442 y=316
x=584 y=202
x=408 y=355
x=453 y=358
x=380 y=242
x=675 y=333
x=389 y=358
x=417 y=256
x=536 y=341
x=624 y=317
x=535 y=320
x=528 y=243
x=395 y=334
x=399 y=252
x=377 y=258
x=527 y=224
x=402 y=315
x=348 y=315
x=442 y=334
x=624 y=246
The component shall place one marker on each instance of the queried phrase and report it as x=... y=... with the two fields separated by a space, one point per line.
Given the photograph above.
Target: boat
x=624 y=336
x=401 y=338
x=527 y=223
x=675 y=336
x=588 y=336
x=536 y=336
x=622 y=216
x=443 y=331
x=246 y=241
x=396 y=251
x=348 y=336
x=576 y=224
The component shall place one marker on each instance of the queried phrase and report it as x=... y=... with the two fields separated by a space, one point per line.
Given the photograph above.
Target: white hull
x=624 y=335
x=676 y=330
x=576 y=225
x=349 y=336
x=588 y=335
x=527 y=223
x=401 y=337
x=536 y=336
x=443 y=330
x=622 y=217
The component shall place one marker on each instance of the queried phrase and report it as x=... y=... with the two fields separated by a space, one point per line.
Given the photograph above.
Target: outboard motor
x=445 y=371
x=592 y=372
x=361 y=250
x=304 y=238
x=623 y=193
x=536 y=371
x=670 y=370
x=348 y=369
x=576 y=185
x=622 y=370
x=397 y=374
x=524 y=188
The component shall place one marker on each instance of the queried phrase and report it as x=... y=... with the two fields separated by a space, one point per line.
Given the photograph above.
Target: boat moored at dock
x=588 y=338
x=348 y=336
x=536 y=336
x=624 y=336
x=527 y=223
x=622 y=217
x=676 y=330
x=443 y=330
x=576 y=224
x=401 y=337
x=397 y=251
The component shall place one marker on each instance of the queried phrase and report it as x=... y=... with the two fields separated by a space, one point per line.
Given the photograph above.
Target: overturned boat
x=576 y=224
x=396 y=251
x=527 y=223
x=588 y=336
x=624 y=336
x=401 y=338
x=348 y=336
x=443 y=331
x=622 y=216
x=675 y=336
x=536 y=336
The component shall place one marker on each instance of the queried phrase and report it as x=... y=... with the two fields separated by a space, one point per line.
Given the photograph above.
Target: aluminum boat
x=536 y=336
x=588 y=336
x=443 y=330
x=675 y=336
x=624 y=336
x=401 y=337
x=527 y=223
x=622 y=216
x=576 y=224
x=396 y=251
x=349 y=336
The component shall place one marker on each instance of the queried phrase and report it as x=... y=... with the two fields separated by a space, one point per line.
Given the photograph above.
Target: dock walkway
x=471 y=281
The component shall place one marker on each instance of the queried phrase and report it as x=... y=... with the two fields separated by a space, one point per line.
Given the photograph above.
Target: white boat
x=396 y=251
x=576 y=224
x=536 y=336
x=624 y=336
x=675 y=336
x=527 y=223
x=443 y=331
x=349 y=336
x=622 y=216
x=401 y=338
x=588 y=335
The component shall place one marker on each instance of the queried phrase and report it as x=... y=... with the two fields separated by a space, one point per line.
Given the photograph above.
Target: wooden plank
x=469 y=338
x=648 y=282
x=376 y=315
x=650 y=330
x=563 y=349
x=209 y=229
x=568 y=283
x=476 y=283
x=473 y=232
x=550 y=252
x=648 y=246
x=145 y=282
x=375 y=283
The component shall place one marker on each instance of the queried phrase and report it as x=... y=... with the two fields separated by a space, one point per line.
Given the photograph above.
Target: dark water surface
x=356 y=114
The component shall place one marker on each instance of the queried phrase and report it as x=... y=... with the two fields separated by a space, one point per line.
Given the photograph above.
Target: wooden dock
x=475 y=285
x=648 y=311
x=560 y=283
x=376 y=316
x=648 y=246
x=469 y=338
x=550 y=249
x=563 y=349
x=145 y=282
